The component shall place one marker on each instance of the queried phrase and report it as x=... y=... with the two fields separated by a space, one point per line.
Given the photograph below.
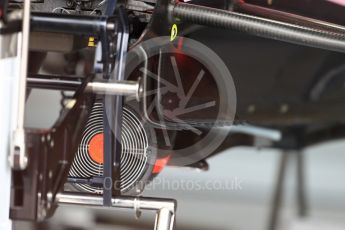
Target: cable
x=287 y=32
x=98 y=6
x=61 y=8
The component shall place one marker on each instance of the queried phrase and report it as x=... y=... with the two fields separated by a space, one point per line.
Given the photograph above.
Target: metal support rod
x=74 y=24
x=18 y=157
x=165 y=208
x=301 y=185
x=53 y=84
x=271 y=134
x=164 y=220
x=112 y=115
x=122 y=88
x=278 y=193
x=143 y=203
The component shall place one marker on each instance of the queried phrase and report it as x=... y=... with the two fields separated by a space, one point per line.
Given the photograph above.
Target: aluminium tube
x=165 y=208
x=143 y=203
x=123 y=88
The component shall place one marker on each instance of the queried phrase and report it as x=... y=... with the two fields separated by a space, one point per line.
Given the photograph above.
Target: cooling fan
x=137 y=157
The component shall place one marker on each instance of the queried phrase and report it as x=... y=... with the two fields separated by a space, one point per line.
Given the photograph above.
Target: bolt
x=284 y=108
x=88 y=4
x=25 y=161
x=49 y=199
x=251 y=108
x=69 y=3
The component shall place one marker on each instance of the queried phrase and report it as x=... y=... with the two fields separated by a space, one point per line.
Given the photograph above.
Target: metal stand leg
x=278 y=192
x=301 y=194
x=164 y=220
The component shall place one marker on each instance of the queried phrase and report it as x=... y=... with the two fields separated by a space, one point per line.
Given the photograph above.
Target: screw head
x=88 y=4
x=69 y=3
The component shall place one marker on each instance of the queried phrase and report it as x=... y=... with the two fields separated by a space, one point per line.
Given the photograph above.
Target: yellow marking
x=91 y=42
x=173 y=33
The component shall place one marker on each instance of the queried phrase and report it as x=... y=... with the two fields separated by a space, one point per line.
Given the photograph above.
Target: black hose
x=267 y=28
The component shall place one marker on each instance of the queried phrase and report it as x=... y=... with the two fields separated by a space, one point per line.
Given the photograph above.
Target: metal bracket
x=18 y=156
x=120 y=88
x=113 y=116
x=165 y=208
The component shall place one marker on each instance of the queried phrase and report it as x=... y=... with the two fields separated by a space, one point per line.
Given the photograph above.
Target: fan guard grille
x=134 y=158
